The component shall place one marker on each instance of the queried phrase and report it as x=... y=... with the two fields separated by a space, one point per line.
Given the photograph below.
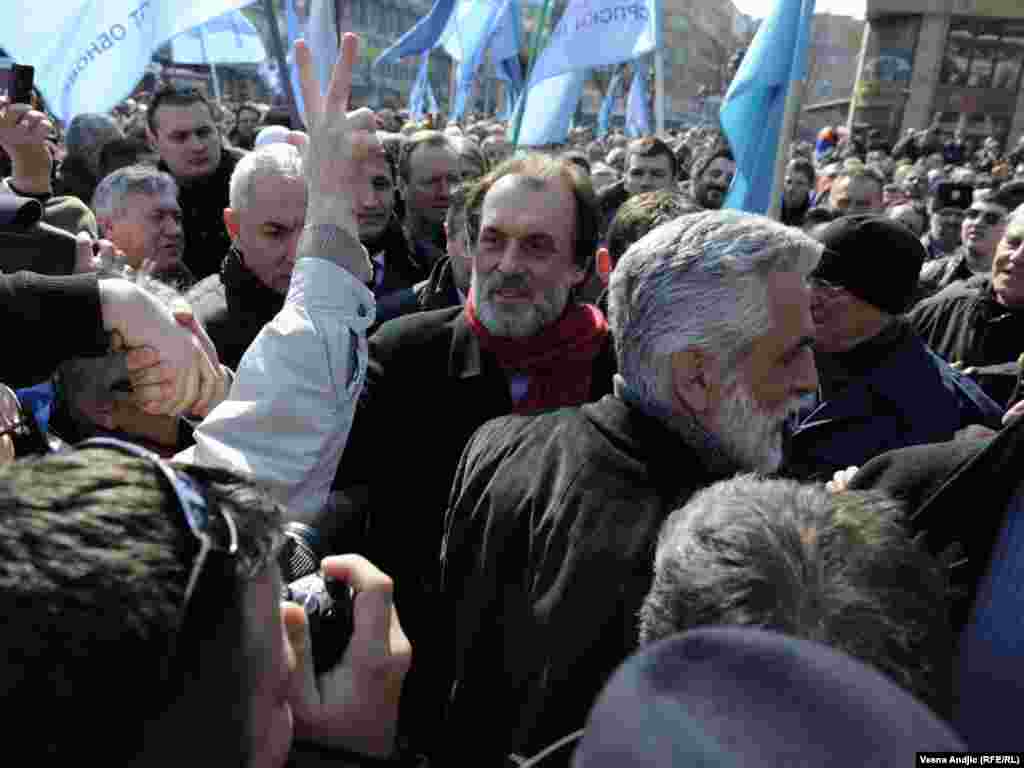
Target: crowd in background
x=566 y=401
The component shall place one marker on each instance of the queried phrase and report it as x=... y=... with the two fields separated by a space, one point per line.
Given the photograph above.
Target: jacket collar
x=663 y=435
x=244 y=291
x=466 y=358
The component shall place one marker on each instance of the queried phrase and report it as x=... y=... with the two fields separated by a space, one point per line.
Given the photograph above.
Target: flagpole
x=659 y=92
x=790 y=115
x=210 y=64
x=659 y=70
x=541 y=20
x=284 y=73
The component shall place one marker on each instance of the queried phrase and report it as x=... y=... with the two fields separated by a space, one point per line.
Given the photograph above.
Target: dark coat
x=548 y=555
x=611 y=197
x=49 y=319
x=939 y=273
x=965 y=323
x=429 y=387
x=405 y=265
x=906 y=395
x=234 y=306
x=202 y=215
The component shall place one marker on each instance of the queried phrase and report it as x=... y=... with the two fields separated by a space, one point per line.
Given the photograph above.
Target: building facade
x=952 y=63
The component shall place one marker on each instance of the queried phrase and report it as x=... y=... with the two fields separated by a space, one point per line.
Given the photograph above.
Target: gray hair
x=837 y=568
x=108 y=201
x=698 y=282
x=86 y=135
x=269 y=160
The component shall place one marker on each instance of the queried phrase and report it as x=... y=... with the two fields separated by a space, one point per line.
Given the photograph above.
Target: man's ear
x=231 y=222
x=694 y=379
x=604 y=265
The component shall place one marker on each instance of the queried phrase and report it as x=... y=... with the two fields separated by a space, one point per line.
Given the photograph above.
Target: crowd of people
x=611 y=473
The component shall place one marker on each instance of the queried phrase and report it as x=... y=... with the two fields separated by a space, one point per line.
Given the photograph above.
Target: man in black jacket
x=183 y=129
x=521 y=343
x=552 y=518
x=980 y=322
x=650 y=166
x=268 y=206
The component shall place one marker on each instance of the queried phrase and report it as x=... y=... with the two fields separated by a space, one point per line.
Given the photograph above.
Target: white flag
x=596 y=33
x=89 y=54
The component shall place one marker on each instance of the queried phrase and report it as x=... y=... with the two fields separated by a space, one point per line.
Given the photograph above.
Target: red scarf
x=559 y=360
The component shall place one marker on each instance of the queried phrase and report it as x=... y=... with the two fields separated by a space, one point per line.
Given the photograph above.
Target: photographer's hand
x=355 y=705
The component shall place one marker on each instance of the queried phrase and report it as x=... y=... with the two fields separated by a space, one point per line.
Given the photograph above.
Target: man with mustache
x=711 y=175
x=521 y=343
x=268 y=206
x=880 y=387
x=182 y=127
x=553 y=517
x=984 y=223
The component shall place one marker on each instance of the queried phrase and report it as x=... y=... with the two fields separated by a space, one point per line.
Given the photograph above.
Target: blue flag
x=422 y=37
x=591 y=33
x=638 y=120
x=604 y=116
x=475 y=26
x=752 y=112
x=421 y=99
x=552 y=103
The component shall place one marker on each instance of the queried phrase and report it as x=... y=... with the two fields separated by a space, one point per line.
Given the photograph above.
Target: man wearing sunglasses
x=123 y=574
x=984 y=223
x=979 y=323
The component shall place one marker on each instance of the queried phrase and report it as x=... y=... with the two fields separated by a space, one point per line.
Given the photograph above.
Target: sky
x=761 y=8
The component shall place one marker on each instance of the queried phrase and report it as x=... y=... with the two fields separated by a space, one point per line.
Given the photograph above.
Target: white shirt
x=288 y=414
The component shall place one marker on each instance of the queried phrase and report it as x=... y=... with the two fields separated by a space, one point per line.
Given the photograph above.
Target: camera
x=16 y=81
x=327 y=602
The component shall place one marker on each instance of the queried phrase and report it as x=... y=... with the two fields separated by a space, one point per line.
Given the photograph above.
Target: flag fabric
x=552 y=103
x=604 y=116
x=421 y=99
x=752 y=112
x=227 y=39
x=320 y=31
x=597 y=33
x=89 y=55
x=638 y=120
x=475 y=26
x=421 y=37
x=590 y=34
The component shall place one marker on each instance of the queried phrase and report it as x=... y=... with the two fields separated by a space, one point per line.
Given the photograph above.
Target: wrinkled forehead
x=151 y=202
x=525 y=205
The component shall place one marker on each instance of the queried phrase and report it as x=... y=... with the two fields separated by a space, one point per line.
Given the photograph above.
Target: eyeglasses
x=987 y=217
x=193 y=505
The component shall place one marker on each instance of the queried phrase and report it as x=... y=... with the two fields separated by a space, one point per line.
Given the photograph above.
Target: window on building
x=984 y=53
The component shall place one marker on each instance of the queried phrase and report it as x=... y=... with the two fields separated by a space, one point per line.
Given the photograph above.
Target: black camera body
x=327 y=602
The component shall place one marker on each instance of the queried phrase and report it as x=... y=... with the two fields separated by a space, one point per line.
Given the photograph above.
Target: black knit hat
x=874 y=258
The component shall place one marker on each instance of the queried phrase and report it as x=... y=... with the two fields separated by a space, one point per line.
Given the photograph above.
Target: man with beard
x=268 y=206
x=796 y=192
x=984 y=223
x=182 y=128
x=880 y=387
x=137 y=210
x=946 y=217
x=553 y=517
x=711 y=176
x=521 y=343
